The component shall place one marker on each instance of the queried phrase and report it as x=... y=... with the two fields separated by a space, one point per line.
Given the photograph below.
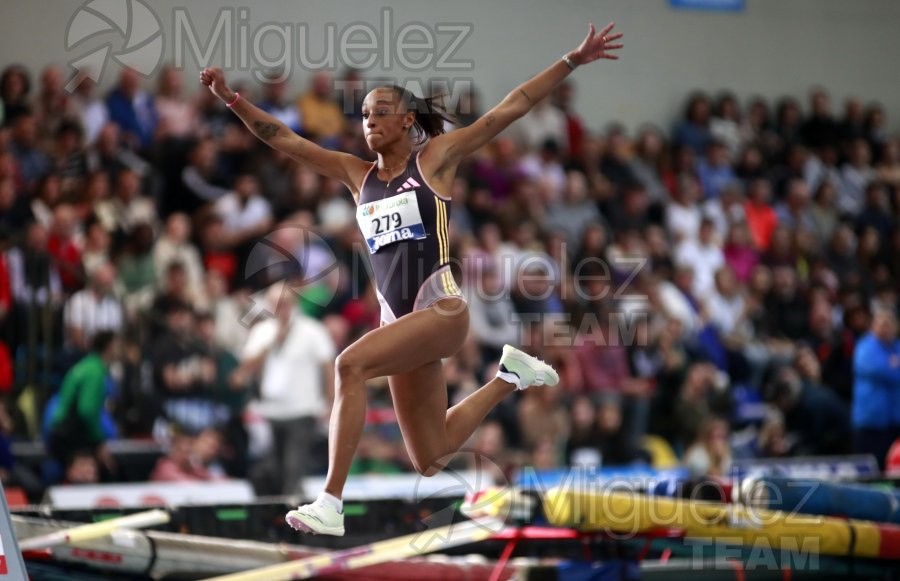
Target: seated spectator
x=89 y=109
x=185 y=374
x=710 y=452
x=574 y=212
x=174 y=245
x=323 y=119
x=33 y=163
x=795 y=212
x=64 y=245
x=761 y=217
x=275 y=102
x=93 y=309
x=855 y=176
x=714 y=170
x=137 y=271
x=201 y=178
x=82 y=468
x=173 y=292
x=693 y=131
x=109 y=156
x=128 y=206
x=178 y=117
x=814 y=414
x=97 y=244
x=133 y=109
x=704 y=257
x=15 y=86
x=543 y=123
x=247 y=215
x=189 y=459
x=492 y=314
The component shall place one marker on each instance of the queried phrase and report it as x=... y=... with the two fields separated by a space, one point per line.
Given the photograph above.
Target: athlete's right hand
x=214 y=78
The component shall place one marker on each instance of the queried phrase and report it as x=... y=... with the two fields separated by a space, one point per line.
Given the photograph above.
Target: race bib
x=390 y=220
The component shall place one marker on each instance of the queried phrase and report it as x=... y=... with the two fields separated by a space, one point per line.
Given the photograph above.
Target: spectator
x=185 y=375
x=15 y=85
x=201 y=178
x=794 y=213
x=128 y=205
x=761 y=217
x=174 y=245
x=574 y=213
x=820 y=129
x=876 y=381
x=190 y=459
x=492 y=314
x=542 y=124
x=813 y=414
x=282 y=349
x=246 y=213
x=93 y=309
x=714 y=170
x=76 y=420
x=710 y=453
x=52 y=103
x=33 y=163
x=89 y=110
x=133 y=109
x=137 y=273
x=703 y=256
x=693 y=131
x=855 y=176
x=275 y=103
x=64 y=245
x=683 y=212
x=563 y=99
x=323 y=119
x=178 y=117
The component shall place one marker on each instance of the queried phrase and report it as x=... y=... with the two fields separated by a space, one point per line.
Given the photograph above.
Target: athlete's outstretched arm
x=347 y=168
x=458 y=144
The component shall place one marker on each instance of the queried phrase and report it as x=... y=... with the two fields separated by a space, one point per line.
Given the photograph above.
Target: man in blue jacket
x=876 y=386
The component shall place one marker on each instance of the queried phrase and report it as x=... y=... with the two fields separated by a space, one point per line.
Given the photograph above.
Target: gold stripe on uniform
x=441 y=219
x=446 y=281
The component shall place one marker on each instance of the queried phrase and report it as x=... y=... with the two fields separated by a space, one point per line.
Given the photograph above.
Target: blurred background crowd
x=714 y=287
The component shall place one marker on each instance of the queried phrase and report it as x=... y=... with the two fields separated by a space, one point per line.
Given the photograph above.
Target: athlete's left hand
x=597 y=45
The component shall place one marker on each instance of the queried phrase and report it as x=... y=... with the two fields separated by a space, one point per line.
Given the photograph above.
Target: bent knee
x=349 y=367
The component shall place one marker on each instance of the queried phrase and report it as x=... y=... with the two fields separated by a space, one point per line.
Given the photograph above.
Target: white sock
x=510 y=378
x=332 y=501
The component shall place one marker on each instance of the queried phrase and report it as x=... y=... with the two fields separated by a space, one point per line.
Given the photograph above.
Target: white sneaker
x=318 y=518
x=529 y=370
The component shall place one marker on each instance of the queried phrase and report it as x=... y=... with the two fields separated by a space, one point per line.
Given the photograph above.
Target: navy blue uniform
x=406 y=227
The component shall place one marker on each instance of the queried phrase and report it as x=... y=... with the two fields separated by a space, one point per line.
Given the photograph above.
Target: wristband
x=236 y=97
x=569 y=62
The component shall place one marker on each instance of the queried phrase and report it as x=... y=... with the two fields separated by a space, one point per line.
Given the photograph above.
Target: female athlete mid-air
x=403 y=207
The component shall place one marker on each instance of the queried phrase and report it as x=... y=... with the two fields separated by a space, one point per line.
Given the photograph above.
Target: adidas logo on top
x=409 y=184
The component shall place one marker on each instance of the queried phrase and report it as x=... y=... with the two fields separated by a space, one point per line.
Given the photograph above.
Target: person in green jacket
x=76 y=423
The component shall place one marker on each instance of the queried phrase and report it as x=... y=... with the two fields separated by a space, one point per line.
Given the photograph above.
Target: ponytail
x=430 y=114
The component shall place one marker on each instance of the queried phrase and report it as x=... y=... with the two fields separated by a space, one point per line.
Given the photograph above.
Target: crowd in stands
x=723 y=287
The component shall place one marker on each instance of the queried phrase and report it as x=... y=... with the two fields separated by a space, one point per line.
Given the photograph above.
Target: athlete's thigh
x=409 y=342
x=420 y=401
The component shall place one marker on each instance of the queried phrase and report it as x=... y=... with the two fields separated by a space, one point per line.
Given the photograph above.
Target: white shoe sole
x=297 y=522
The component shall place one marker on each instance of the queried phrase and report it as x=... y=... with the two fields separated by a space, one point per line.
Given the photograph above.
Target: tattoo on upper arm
x=490 y=120
x=265 y=130
x=527 y=98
